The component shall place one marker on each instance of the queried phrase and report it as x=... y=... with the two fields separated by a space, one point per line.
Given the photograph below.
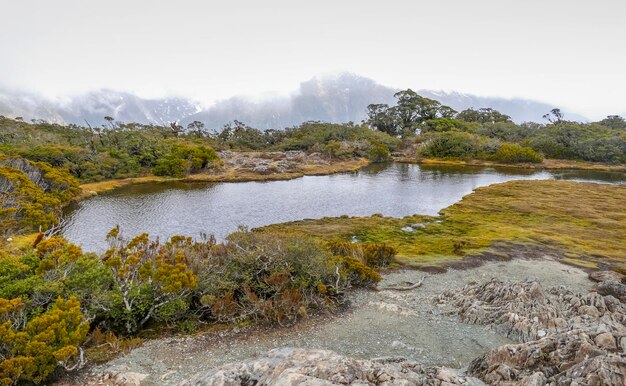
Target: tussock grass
x=586 y=221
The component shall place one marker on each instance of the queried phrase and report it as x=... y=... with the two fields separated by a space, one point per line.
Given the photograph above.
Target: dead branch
x=407 y=288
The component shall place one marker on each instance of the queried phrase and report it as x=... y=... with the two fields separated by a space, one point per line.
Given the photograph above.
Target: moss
x=587 y=221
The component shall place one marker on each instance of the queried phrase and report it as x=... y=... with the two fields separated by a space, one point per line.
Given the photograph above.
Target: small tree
x=554 y=116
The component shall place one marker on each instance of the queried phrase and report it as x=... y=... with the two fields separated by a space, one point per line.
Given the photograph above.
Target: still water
x=166 y=209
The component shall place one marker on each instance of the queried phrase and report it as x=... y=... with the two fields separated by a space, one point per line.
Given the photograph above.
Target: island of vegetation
x=61 y=306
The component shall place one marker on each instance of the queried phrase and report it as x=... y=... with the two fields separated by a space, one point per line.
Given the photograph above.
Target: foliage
x=115 y=151
x=32 y=194
x=407 y=116
x=589 y=142
x=613 y=122
x=147 y=278
x=371 y=254
x=483 y=116
x=32 y=350
x=448 y=124
x=514 y=153
x=451 y=144
x=379 y=152
x=346 y=140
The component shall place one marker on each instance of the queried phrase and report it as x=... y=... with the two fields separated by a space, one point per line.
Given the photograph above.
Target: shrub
x=47 y=341
x=147 y=279
x=371 y=254
x=448 y=124
x=355 y=273
x=513 y=153
x=266 y=277
x=378 y=152
x=451 y=144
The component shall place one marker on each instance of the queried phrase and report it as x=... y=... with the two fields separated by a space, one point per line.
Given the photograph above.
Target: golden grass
x=586 y=221
x=550 y=164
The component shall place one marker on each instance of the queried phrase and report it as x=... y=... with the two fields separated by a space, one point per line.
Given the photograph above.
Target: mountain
x=345 y=98
x=340 y=98
x=92 y=107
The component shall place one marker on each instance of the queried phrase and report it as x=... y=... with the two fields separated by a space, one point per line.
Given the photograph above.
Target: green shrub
x=451 y=144
x=371 y=254
x=514 y=153
x=378 y=152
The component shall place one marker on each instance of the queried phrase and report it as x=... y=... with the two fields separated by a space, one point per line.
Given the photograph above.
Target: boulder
x=613 y=288
x=606 y=276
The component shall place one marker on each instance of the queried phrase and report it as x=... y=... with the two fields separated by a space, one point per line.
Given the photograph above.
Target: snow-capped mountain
x=340 y=98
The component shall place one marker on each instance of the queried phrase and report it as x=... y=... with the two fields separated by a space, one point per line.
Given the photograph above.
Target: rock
x=613 y=288
x=606 y=276
x=418 y=226
x=565 y=337
x=124 y=378
x=536 y=379
x=291 y=366
x=408 y=229
x=606 y=341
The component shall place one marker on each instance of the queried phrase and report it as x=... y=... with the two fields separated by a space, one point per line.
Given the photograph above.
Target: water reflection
x=165 y=209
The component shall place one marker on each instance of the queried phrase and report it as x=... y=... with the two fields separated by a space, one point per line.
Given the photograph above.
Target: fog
x=562 y=52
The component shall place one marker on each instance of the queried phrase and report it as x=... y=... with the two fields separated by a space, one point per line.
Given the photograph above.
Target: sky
x=568 y=53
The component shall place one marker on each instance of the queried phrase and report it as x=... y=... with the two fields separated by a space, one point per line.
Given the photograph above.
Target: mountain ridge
x=337 y=99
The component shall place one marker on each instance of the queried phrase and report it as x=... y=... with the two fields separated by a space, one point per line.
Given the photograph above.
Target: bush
x=448 y=124
x=32 y=194
x=378 y=152
x=371 y=254
x=266 y=277
x=47 y=341
x=513 y=153
x=149 y=280
x=451 y=144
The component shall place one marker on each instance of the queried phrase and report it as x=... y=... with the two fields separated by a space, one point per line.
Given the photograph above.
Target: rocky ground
x=270 y=162
x=519 y=321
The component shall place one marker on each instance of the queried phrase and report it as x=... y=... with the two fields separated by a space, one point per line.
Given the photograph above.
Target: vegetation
x=32 y=194
x=120 y=150
x=590 y=233
x=58 y=302
x=490 y=135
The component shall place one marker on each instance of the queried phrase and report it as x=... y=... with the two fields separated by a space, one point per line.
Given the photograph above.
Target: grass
x=551 y=164
x=586 y=222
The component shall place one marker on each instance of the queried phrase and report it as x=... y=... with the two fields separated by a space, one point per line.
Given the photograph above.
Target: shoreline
x=228 y=175
x=548 y=164
x=91 y=189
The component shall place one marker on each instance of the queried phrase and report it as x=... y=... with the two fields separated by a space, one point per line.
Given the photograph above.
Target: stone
x=125 y=378
x=606 y=341
x=613 y=288
x=293 y=366
x=606 y=276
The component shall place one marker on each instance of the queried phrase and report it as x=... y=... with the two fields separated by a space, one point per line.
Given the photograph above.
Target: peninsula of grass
x=546 y=164
x=584 y=222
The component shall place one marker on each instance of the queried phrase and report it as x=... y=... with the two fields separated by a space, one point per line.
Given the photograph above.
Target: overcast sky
x=569 y=53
